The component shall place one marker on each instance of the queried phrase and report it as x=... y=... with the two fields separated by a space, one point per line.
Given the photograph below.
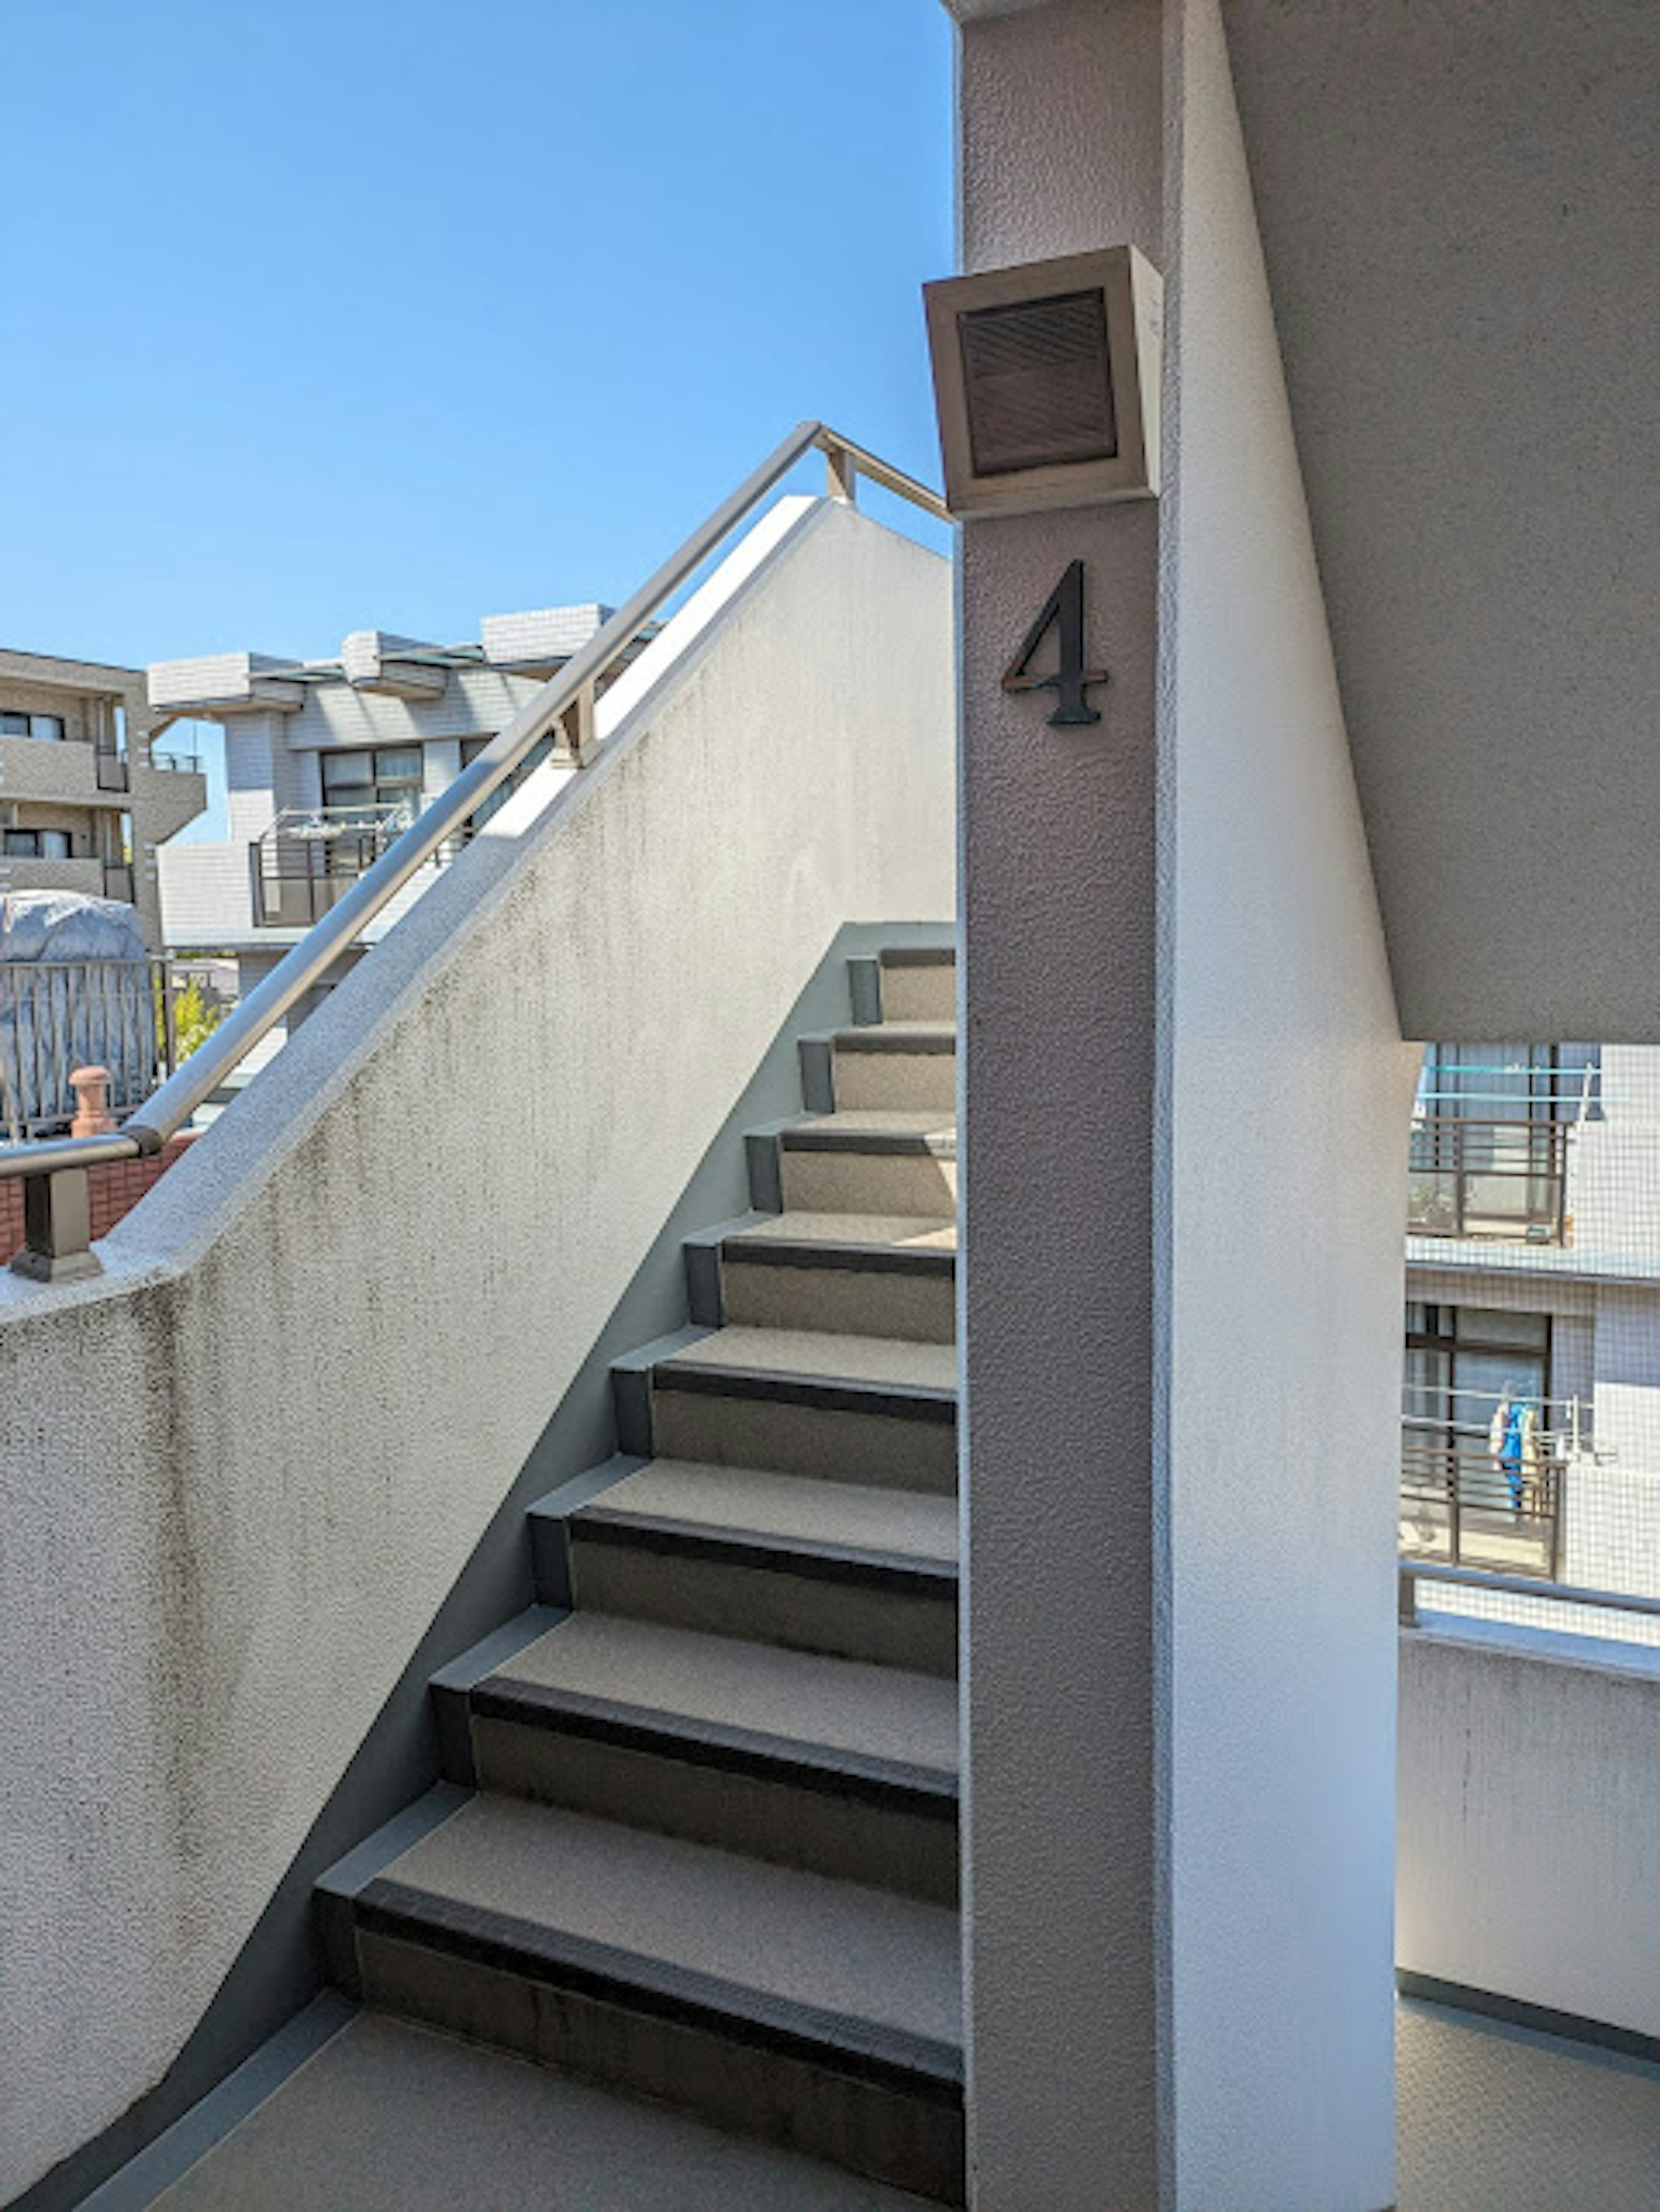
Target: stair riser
x=846 y=1301
x=919 y=994
x=909 y=2142
x=838 y=1447
x=849 y=1838
x=869 y=1182
x=845 y=1620
x=904 y=1081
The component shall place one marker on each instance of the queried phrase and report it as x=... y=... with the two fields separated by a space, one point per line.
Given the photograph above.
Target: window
x=1463 y=1361
x=16 y=724
x=37 y=844
x=379 y=777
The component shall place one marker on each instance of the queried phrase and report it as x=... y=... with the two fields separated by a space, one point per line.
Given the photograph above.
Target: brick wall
x=115 y=1189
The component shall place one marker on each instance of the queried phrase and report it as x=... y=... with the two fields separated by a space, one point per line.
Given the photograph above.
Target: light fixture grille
x=1038 y=379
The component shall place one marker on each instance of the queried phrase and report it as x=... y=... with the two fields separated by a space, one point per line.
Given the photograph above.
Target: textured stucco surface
x=1060 y=150
x=1529 y=1813
x=1179 y=1317
x=1459 y=205
x=1290 y=1097
x=243 y=1469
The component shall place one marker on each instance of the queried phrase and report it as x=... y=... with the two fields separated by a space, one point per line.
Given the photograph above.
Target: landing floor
x=388 y=2117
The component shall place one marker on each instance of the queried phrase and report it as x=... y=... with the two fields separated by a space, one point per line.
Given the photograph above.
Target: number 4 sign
x=1063 y=612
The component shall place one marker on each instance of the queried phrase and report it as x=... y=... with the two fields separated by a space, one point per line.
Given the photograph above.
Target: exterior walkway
x=391 y=2117
x=1497 y=2119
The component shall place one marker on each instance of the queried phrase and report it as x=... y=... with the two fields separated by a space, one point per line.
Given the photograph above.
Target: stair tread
x=865 y=1955
x=889 y=1231
x=756 y=1502
x=923 y=1031
x=878 y=1121
x=898 y=1362
x=877 y=1712
x=393 y=2118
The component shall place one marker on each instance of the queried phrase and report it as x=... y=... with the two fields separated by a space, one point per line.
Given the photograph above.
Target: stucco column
x=1059 y=149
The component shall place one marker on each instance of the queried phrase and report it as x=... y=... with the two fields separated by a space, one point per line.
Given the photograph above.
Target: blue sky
x=331 y=315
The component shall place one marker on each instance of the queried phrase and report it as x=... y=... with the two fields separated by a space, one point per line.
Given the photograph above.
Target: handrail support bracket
x=58 y=1228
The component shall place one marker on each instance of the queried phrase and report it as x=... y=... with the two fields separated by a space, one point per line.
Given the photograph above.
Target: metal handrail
x=1413 y=1572
x=568 y=694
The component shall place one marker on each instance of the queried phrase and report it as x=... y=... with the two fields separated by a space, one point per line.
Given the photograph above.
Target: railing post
x=577 y=723
x=843 y=474
x=1406 y=1598
x=57 y=1227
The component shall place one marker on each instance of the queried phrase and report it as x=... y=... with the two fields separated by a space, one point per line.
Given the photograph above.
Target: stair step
x=919 y=983
x=883 y=1275
x=871 y=1162
x=847 y=1769
x=895 y=1066
x=841 y=1568
x=862 y=1409
x=822 y=2013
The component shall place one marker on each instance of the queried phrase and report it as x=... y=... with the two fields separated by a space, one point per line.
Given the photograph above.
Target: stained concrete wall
x=1182 y=1305
x=1530 y=1820
x=243 y=1469
x=1290 y=1097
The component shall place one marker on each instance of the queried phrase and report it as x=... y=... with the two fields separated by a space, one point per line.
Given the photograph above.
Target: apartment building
x=327 y=761
x=89 y=798
x=1531 y=1418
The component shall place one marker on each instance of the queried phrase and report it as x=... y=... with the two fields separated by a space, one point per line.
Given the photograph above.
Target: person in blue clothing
x=1510 y=1456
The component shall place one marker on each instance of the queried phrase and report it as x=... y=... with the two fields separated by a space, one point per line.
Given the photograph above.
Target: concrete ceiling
x=1460 y=207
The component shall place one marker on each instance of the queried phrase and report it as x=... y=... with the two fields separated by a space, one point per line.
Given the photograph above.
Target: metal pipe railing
x=1413 y=1571
x=56 y=1197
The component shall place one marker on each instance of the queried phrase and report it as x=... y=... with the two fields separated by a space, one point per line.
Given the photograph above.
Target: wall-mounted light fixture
x=1046 y=380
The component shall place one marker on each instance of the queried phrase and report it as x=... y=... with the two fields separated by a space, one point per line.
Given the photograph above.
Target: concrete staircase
x=697 y=1842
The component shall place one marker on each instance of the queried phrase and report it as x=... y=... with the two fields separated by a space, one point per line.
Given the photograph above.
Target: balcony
x=310 y=858
x=1463 y=1506
x=1502 y=1182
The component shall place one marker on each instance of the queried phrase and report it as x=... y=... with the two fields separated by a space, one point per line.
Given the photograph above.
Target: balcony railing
x=177 y=763
x=311 y=857
x=59 y=1015
x=1465 y=1507
x=1505 y=1181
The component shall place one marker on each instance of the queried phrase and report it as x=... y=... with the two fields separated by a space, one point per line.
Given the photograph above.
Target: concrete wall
x=1529 y=1821
x=1286 y=1275
x=244 y=1468
x=1182 y=1307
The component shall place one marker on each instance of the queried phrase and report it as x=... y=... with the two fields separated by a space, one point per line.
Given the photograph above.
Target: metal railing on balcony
x=111 y=769
x=1500 y=1181
x=119 y=881
x=57 y=1207
x=57 y=1015
x=310 y=857
x=1466 y=1505
x=172 y=763
x=1572 y=1604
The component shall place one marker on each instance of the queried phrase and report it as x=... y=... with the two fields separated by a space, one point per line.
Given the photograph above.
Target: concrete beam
x=213 y=684
x=374 y=660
